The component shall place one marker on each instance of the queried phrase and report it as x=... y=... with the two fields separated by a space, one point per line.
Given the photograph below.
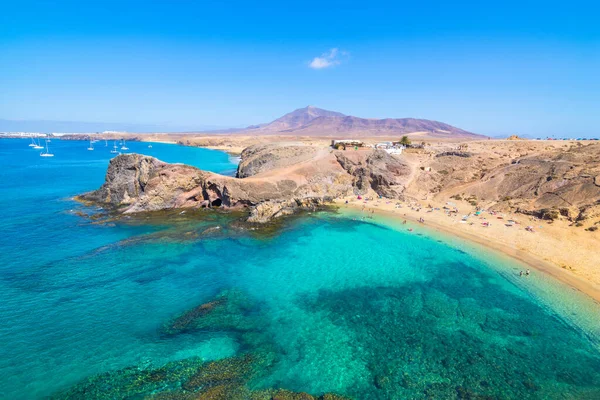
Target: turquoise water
x=323 y=303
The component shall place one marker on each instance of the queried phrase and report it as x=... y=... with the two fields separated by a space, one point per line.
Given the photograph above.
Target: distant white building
x=395 y=150
x=390 y=147
x=384 y=145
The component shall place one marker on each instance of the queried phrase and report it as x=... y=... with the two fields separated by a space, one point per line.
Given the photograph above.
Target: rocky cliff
x=562 y=180
x=291 y=178
x=267 y=157
x=379 y=171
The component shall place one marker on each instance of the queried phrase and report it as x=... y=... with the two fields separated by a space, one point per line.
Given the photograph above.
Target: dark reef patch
x=187 y=379
x=445 y=340
x=192 y=378
x=230 y=311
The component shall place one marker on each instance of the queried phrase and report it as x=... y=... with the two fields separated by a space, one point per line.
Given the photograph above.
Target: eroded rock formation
x=261 y=158
x=549 y=184
x=379 y=171
x=279 y=180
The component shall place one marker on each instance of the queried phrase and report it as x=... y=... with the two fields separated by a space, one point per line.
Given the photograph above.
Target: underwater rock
x=225 y=392
x=192 y=378
x=230 y=371
x=287 y=395
x=211 y=231
x=466 y=394
x=188 y=379
x=179 y=380
x=228 y=311
x=333 y=396
x=282 y=394
x=183 y=322
x=132 y=381
x=381 y=381
x=172 y=396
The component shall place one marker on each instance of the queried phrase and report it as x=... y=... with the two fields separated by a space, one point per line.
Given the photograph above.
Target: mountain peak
x=301 y=117
x=315 y=109
x=314 y=121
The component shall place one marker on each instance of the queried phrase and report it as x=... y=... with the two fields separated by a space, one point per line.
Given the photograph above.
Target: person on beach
x=520 y=273
x=404 y=222
x=527 y=272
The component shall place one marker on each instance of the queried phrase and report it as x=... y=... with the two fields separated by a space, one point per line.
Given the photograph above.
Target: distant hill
x=301 y=118
x=313 y=121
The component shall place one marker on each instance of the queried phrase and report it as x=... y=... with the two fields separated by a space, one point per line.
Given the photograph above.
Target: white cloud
x=329 y=59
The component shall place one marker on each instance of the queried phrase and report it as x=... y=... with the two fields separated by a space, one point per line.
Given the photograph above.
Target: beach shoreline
x=577 y=282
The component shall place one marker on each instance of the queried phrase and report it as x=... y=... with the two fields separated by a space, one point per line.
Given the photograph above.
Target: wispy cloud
x=328 y=59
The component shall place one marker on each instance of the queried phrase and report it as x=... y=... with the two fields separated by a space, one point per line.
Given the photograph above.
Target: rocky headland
x=273 y=180
x=276 y=179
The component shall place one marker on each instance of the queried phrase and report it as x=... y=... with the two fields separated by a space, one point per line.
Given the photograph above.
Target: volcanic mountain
x=313 y=121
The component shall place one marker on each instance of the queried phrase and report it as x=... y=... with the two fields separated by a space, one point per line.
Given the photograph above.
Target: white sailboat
x=91 y=145
x=38 y=146
x=105 y=143
x=114 y=150
x=149 y=146
x=32 y=144
x=47 y=153
x=124 y=147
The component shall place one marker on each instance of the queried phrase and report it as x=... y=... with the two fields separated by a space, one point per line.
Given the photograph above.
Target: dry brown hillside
x=542 y=178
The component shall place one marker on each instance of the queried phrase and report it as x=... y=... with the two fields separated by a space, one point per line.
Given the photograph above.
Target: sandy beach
x=566 y=253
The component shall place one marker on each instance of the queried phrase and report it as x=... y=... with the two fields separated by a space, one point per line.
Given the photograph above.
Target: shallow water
x=330 y=304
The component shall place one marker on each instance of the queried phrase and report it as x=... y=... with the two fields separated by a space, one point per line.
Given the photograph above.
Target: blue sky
x=509 y=67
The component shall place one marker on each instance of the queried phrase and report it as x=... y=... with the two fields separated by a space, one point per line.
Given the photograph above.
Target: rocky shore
x=273 y=180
